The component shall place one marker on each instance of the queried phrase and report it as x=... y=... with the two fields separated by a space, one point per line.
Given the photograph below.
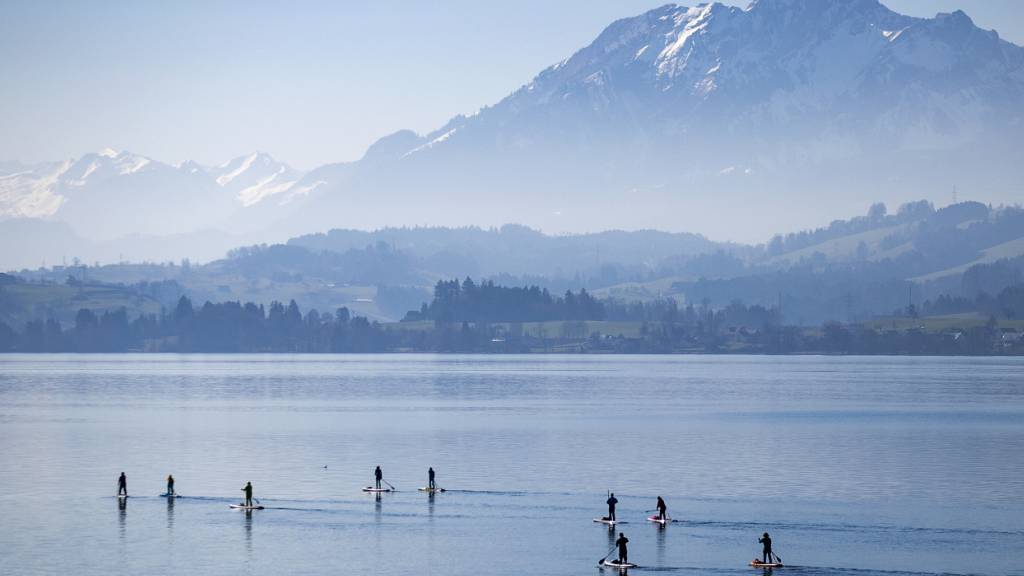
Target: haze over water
x=873 y=465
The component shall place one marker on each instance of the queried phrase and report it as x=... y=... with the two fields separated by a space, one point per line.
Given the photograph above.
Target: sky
x=307 y=82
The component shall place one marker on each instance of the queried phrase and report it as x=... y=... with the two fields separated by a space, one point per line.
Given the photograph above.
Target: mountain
x=675 y=117
x=111 y=205
x=258 y=177
x=81 y=190
x=712 y=119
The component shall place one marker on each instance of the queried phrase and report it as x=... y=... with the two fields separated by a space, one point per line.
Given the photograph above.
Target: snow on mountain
x=844 y=97
x=42 y=190
x=104 y=164
x=28 y=192
x=723 y=120
x=109 y=193
x=258 y=177
x=799 y=70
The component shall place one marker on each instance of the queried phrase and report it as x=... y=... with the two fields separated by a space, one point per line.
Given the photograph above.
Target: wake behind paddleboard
x=758 y=564
x=244 y=507
x=616 y=564
x=431 y=490
x=369 y=489
x=658 y=520
x=606 y=520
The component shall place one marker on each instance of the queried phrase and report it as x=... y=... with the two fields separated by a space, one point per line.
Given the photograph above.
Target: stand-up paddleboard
x=608 y=521
x=425 y=489
x=122 y=496
x=758 y=564
x=616 y=564
x=167 y=495
x=658 y=520
x=244 y=507
x=377 y=490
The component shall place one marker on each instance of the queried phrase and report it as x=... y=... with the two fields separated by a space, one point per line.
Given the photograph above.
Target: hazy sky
x=308 y=82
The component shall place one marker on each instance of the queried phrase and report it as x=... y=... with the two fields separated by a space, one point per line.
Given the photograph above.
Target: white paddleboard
x=615 y=564
x=122 y=496
x=431 y=490
x=658 y=520
x=244 y=507
x=758 y=564
x=369 y=489
x=166 y=495
x=605 y=520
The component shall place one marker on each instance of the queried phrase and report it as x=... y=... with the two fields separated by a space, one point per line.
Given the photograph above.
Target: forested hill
x=518 y=250
x=851 y=270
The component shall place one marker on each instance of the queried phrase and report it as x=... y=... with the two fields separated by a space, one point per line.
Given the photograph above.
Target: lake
x=854 y=465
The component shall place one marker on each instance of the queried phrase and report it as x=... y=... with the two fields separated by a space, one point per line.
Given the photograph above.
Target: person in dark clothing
x=430 y=479
x=623 y=552
x=248 y=493
x=122 y=485
x=662 y=510
x=611 y=501
x=766 y=550
x=170 y=485
x=378 y=476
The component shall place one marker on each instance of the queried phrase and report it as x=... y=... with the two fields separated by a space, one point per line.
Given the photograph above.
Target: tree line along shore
x=466 y=317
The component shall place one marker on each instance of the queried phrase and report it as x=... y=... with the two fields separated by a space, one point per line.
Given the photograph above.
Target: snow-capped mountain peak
x=235 y=167
x=98 y=191
x=715 y=106
x=255 y=177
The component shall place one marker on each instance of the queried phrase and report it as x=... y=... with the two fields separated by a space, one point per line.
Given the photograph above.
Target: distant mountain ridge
x=758 y=105
x=102 y=194
x=714 y=119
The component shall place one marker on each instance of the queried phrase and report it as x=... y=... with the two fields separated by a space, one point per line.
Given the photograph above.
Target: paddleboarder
x=170 y=485
x=766 y=549
x=611 y=501
x=430 y=479
x=122 y=485
x=248 y=494
x=662 y=510
x=378 y=476
x=623 y=552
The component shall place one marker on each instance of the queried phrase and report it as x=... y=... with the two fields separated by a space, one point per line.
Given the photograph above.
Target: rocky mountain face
x=674 y=118
x=731 y=122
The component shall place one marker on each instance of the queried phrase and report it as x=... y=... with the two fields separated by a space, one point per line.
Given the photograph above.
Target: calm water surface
x=855 y=465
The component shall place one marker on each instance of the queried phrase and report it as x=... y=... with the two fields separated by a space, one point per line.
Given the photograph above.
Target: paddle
x=777 y=558
x=389 y=485
x=605 y=557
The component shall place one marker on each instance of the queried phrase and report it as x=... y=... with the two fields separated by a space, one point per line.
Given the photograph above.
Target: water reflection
x=170 y=514
x=248 y=531
x=430 y=505
x=377 y=506
x=659 y=543
x=122 y=516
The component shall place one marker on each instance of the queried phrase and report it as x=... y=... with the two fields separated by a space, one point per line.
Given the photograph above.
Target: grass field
x=844 y=247
x=1010 y=249
x=20 y=303
x=939 y=323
